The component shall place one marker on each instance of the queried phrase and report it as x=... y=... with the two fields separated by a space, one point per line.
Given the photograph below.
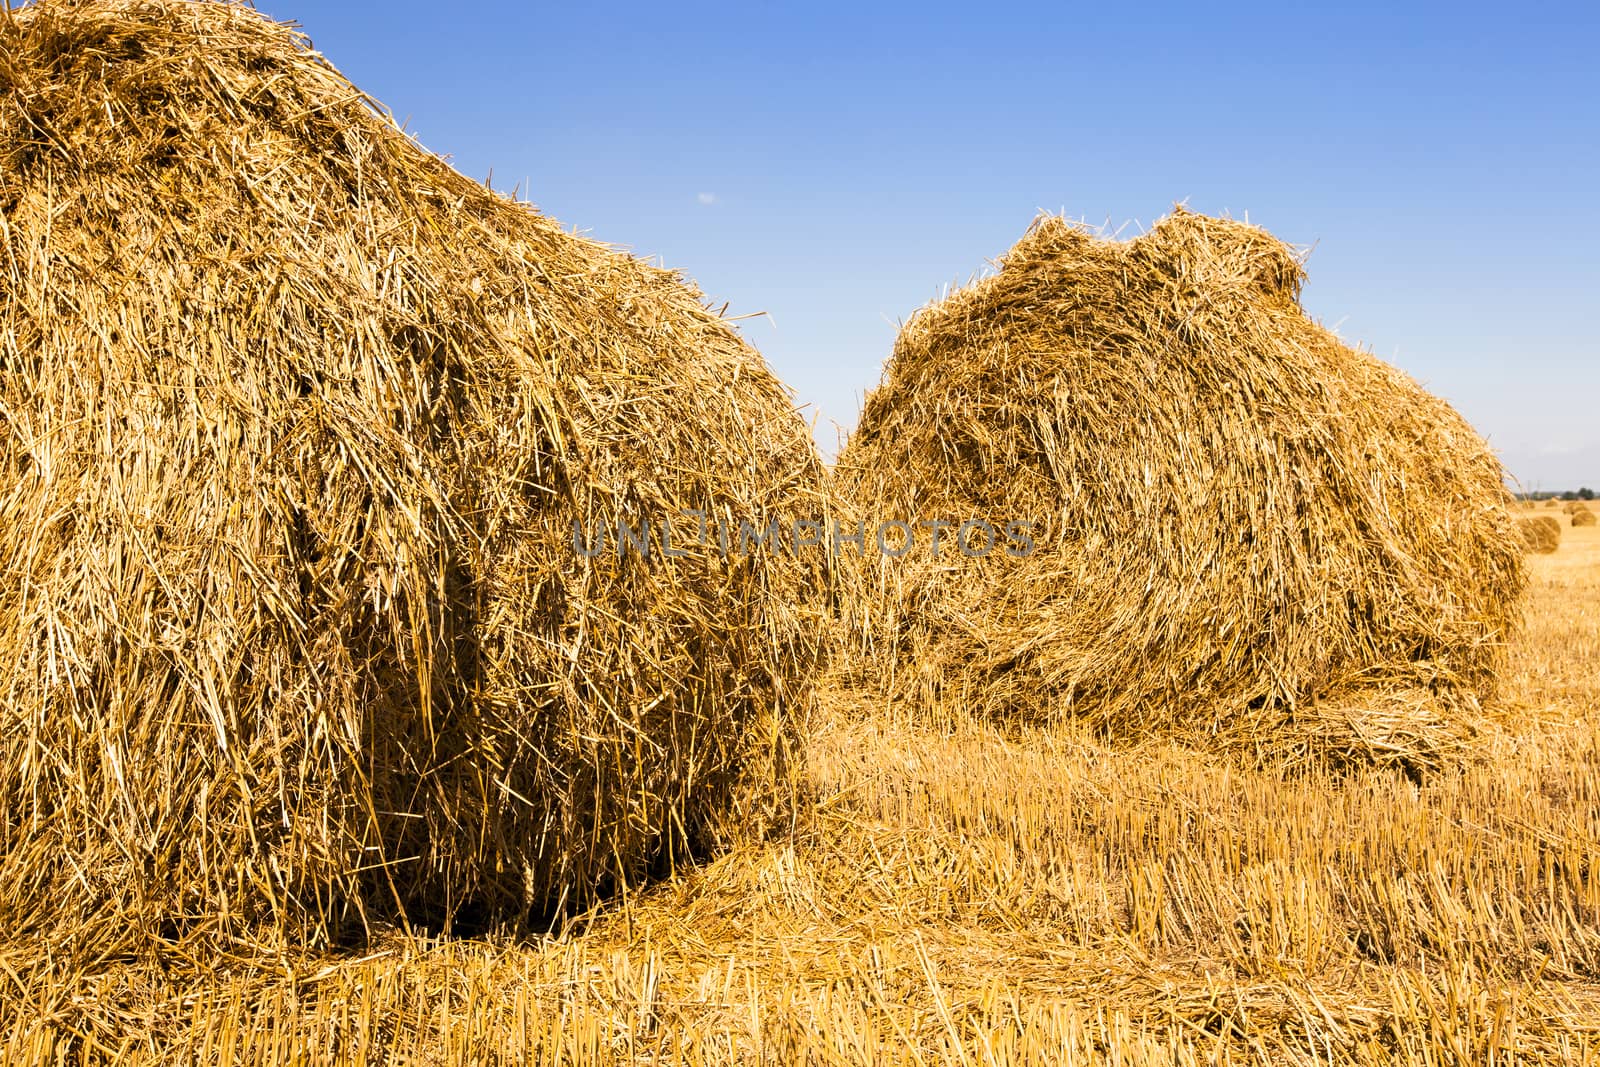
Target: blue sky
x=837 y=165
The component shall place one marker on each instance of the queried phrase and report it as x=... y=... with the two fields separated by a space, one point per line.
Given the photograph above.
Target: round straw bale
x=1583 y=517
x=299 y=429
x=1540 y=534
x=1232 y=509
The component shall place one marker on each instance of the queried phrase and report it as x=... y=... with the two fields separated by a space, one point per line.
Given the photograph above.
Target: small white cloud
x=707 y=198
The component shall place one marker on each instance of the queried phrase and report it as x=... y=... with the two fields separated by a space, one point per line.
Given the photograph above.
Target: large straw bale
x=1239 y=519
x=295 y=424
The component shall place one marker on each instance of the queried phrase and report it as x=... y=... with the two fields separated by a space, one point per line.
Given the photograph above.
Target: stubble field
x=959 y=894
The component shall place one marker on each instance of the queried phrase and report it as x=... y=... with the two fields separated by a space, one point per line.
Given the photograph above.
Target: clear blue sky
x=835 y=165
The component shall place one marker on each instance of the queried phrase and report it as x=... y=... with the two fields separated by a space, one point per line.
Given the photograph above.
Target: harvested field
x=965 y=894
x=326 y=744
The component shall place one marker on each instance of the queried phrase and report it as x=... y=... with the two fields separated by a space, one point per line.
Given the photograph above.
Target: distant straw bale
x=1583 y=517
x=1541 y=534
x=296 y=424
x=1235 y=513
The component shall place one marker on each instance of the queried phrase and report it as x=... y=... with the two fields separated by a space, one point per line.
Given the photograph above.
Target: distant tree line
x=1571 y=494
